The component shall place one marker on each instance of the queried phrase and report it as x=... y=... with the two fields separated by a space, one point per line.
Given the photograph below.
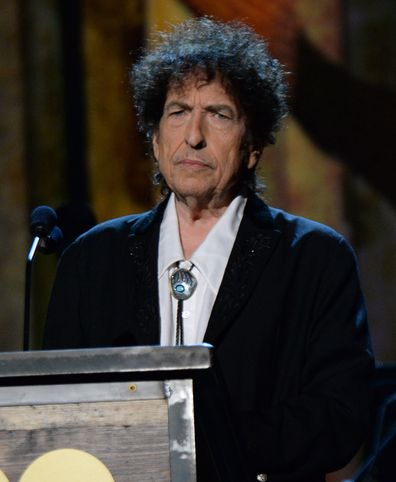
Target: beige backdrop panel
x=13 y=212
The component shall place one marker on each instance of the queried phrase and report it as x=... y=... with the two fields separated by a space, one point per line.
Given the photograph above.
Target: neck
x=192 y=211
x=195 y=222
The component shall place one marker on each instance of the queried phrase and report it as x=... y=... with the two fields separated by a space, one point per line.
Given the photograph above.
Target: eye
x=176 y=113
x=221 y=116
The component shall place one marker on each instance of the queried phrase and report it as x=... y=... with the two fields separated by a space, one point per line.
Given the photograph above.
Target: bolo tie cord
x=179 y=324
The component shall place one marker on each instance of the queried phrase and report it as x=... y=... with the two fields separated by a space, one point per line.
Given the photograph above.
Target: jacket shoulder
x=311 y=239
x=108 y=234
x=299 y=227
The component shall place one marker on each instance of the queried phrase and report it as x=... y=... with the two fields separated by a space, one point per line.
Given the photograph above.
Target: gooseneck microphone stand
x=28 y=285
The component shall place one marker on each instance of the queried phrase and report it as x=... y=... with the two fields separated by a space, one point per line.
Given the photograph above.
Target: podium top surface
x=140 y=359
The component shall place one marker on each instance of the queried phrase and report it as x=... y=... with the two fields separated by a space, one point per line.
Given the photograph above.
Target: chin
x=192 y=189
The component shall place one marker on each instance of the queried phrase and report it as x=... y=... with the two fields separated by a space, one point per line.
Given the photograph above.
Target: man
x=277 y=296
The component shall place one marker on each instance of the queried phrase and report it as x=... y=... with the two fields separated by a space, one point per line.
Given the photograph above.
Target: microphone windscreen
x=52 y=242
x=42 y=221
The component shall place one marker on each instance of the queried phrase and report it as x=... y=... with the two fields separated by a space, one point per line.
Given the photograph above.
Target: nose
x=194 y=135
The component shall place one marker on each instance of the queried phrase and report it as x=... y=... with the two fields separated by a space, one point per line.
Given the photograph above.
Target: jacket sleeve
x=62 y=328
x=320 y=426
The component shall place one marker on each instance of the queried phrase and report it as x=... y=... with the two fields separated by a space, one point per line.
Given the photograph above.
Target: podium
x=130 y=410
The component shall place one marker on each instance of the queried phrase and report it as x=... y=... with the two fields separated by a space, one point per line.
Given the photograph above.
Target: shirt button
x=262 y=477
x=186 y=314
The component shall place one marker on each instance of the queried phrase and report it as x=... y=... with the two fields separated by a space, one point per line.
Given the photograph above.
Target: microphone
x=47 y=237
x=52 y=242
x=42 y=221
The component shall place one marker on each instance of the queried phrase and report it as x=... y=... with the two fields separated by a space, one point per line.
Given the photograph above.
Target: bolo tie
x=182 y=286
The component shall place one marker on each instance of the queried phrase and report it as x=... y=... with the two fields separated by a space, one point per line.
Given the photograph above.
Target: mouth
x=193 y=163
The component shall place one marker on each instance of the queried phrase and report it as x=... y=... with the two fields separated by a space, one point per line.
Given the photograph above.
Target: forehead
x=213 y=90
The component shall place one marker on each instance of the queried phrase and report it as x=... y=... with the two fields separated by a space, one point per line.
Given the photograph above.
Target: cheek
x=165 y=167
x=230 y=156
x=162 y=166
x=168 y=145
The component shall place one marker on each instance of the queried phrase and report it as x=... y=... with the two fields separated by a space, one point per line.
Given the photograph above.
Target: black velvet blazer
x=292 y=354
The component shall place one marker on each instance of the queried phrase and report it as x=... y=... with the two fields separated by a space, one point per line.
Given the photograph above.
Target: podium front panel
x=135 y=430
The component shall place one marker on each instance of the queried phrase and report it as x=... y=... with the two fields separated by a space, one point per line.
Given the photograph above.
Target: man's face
x=198 y=142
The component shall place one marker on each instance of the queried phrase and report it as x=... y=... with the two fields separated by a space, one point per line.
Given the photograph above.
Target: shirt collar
x=211 y=257
x=170 y=249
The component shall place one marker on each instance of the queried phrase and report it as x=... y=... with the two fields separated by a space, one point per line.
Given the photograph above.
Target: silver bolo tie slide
x=182 y=285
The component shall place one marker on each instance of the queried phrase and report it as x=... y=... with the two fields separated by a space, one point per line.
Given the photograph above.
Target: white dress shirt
x=209 y=262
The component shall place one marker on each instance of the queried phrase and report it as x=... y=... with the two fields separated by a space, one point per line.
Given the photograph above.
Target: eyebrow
x=176 y=103
x=208 y=108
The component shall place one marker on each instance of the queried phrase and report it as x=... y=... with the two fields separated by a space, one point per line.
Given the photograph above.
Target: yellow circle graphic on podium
x=67 y=465
x=3 y=478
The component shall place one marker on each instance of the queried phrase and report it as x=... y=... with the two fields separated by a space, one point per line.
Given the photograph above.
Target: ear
x=155 y=143
x=253 y=158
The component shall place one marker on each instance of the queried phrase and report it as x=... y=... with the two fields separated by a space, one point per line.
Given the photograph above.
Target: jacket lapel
x=142 y=268
x=254 y=244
